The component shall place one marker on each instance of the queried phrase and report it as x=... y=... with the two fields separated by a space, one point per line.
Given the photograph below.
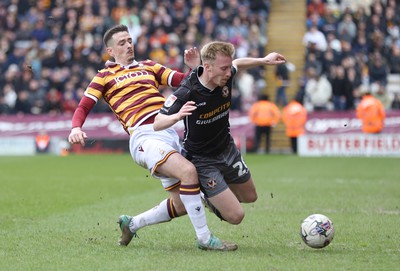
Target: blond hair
x=210 y=51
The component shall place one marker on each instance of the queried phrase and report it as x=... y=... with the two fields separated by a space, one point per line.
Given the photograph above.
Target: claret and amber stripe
x=132 y=93
x=171 y=209
x=191 y=189
x=169 y=188
x=162 y=161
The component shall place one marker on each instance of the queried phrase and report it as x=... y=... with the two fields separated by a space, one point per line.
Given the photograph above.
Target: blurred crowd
x=351 y=48
x=50 y=50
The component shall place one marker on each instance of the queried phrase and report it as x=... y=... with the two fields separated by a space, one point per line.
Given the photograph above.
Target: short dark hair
x=113 y=30
x=263 y=97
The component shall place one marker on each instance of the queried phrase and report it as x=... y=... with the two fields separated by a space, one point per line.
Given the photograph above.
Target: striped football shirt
x=131 y=92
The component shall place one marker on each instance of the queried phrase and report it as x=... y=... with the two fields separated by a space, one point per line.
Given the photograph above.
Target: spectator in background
x=317 y=20
x=371 y=113
x=264 y=115
x=246 y=86
x=333 y=43
x=318 y=6
x=120 y=10
x=313 y=61
x=314 y=40
x=395 y=102
x=68 y=102
x=40 y=32
x=378 y=70
x=132 y=21
x=42 y=141
x=359 y=14
x=301 y=92
x=342 y=89
x=53 y=105
x=37 y=96
x=360 y=45
x=282 y=82
x=330 y=21
x=392 y=21
x=328 y=61
x=375 y=24
x=355 y=80
x=347 y=29
x=346 y=49
x=381 y=94
x=394 y=57
x=8 y=99
x=294 y=116
x=318 y=91
x=236 y=104
x=22 y=104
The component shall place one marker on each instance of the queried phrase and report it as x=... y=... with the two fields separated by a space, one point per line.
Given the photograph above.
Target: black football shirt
x=207 y=129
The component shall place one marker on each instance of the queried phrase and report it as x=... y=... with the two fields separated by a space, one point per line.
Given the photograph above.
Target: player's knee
x=235 y=218
x=253 y=197
x=188 y=173
x=248 y=198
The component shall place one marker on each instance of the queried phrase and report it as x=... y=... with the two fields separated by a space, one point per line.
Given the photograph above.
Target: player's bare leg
x=227 y=203
x=245 y=192
x=229 y=206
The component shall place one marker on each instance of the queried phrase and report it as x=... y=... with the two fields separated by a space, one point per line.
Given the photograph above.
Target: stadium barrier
x=339 y=134
x=327 y=133
x=17 y=134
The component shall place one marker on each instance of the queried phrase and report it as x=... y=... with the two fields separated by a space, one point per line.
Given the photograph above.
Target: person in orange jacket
x=294 y=117
x=371 y=113
x=42 y=141
x=264 y=115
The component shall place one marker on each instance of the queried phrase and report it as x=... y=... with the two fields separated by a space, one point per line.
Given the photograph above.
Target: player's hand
x=192 y=57
x=186 y=109
x=275 y=58
x=77 y=136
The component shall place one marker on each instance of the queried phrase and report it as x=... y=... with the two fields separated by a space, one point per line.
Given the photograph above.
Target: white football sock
x=195 y=210
x=156 y=215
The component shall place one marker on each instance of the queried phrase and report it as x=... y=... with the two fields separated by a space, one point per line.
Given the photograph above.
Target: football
x=317 y=231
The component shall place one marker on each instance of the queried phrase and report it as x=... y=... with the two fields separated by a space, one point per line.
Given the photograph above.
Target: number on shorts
x=242 y=168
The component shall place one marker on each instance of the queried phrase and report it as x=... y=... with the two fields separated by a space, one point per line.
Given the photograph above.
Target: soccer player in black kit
x=202 y=101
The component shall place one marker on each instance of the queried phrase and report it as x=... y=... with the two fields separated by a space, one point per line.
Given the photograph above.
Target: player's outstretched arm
x=77 y=136
x=163 y=121
x=250 y=62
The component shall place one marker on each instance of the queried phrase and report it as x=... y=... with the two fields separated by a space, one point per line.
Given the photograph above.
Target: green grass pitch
x=60 y=213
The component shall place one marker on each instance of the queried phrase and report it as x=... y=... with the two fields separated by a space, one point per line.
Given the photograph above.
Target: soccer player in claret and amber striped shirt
x=130 y=88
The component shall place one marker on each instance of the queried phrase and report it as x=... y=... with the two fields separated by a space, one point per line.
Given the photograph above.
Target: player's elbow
x=157 y=124
x=156 y=127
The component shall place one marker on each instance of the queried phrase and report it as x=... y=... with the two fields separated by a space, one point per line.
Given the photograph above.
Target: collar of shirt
x=200 y=71
x=111 y=63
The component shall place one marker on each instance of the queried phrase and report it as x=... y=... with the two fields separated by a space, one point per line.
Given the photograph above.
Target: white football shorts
x=150 y=149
